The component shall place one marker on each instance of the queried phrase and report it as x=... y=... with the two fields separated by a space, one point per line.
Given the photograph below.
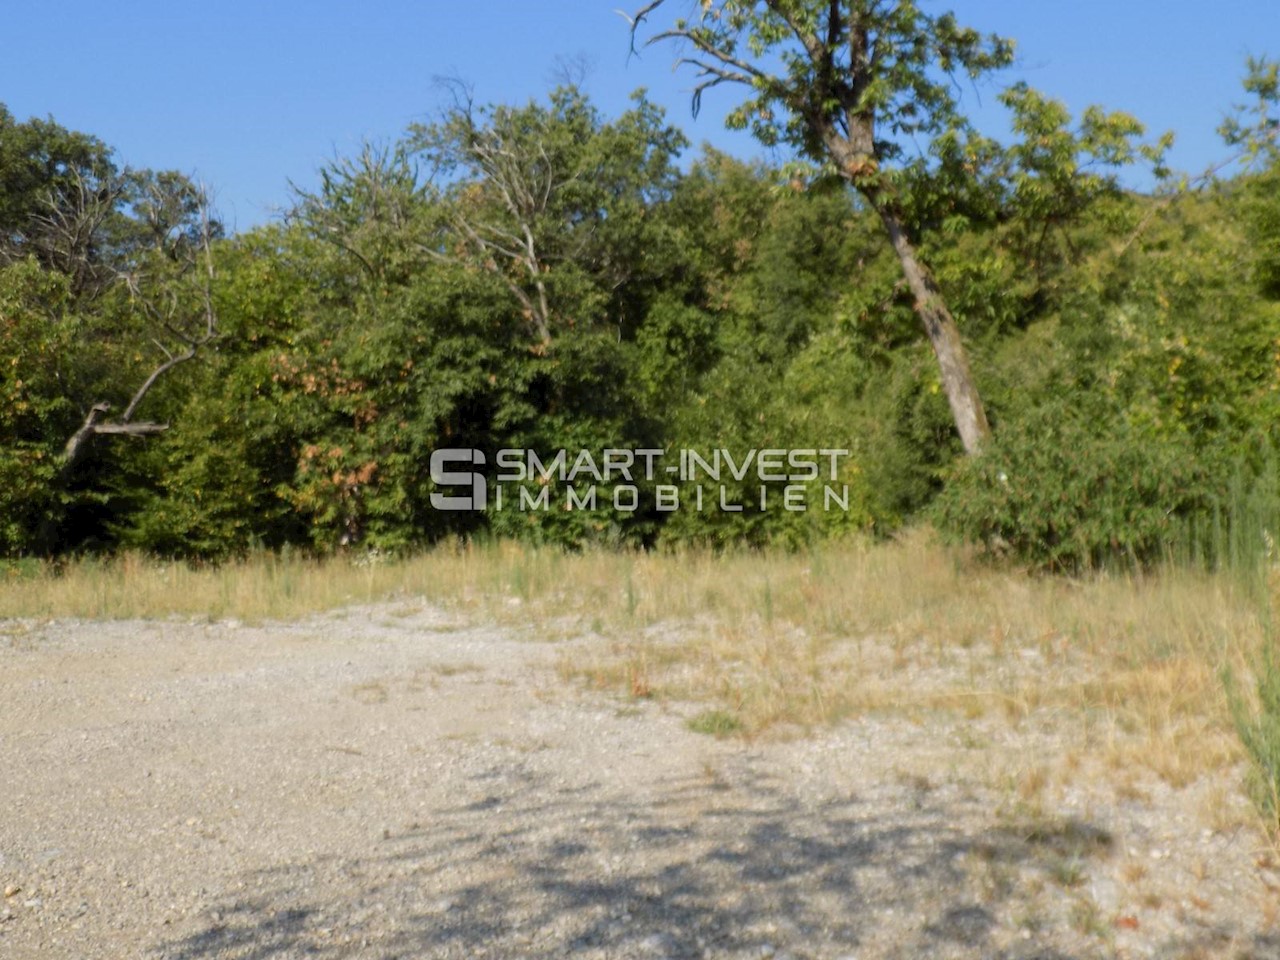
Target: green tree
x=867 y=90
x=856 y=82
x=105 y=275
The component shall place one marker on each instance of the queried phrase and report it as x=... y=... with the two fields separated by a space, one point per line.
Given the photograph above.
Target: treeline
x=544 y=277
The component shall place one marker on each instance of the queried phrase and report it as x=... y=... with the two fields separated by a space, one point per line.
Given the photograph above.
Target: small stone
x=12 y=891
x=657 y=944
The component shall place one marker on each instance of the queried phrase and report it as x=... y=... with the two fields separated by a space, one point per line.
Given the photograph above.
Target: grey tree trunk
x=940 y=327
x=855 y=156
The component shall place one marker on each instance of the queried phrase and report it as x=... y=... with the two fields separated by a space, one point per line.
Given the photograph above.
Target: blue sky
x=248 y=96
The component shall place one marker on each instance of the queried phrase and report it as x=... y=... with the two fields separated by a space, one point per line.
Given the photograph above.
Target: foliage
x=1069 y=488
x=902 y=75
x=543 y=277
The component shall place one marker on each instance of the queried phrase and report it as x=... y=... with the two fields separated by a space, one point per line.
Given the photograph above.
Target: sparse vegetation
x=716 y=723
x=1128 y=665
x=1257 y=720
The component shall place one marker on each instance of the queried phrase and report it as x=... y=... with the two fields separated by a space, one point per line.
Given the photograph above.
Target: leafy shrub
x=1066 y=491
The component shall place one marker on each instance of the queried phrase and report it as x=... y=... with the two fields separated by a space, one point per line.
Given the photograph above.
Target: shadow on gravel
x=747 y=870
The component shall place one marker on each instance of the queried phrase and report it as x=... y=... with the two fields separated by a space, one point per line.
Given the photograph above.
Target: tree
x=555 y=202
x=1255 y=128
x=171 y=287
x=373 y=208
x=67 y=207
x=105 y=277
x=855 y=82
x=59 y=191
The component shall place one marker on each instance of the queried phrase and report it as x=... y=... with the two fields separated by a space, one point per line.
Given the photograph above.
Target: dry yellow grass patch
x=1128 y=666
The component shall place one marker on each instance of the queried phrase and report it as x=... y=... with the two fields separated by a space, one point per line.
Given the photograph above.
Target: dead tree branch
x=192 y=333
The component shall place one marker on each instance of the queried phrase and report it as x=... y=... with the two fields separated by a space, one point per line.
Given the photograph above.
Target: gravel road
x=391 y=782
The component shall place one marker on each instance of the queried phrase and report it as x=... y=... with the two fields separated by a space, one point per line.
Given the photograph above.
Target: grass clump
x=715 y=723
x=1258 y=724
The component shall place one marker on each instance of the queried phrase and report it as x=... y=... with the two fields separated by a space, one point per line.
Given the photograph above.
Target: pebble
x=659 y=944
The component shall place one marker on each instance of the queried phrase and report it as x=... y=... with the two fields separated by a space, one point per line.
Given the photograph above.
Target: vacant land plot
x=406 y=779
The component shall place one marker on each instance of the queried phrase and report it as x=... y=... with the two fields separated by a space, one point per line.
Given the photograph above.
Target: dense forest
x=544 y=277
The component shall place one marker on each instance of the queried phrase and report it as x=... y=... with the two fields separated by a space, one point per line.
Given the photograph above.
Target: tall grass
x=1241 y=540
x=270 y=586
x=1129 y=665
x=1246 y=542
x=1238 y=534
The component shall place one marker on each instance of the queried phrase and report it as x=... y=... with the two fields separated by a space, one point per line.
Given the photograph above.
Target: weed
x=716 y=723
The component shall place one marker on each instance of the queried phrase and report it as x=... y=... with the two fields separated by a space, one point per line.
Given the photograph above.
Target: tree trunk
x=940 y=326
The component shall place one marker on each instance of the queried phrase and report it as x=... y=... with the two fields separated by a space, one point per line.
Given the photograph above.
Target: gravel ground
x=389 y=782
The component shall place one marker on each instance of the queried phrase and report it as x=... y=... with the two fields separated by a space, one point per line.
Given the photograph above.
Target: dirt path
x=387 y=783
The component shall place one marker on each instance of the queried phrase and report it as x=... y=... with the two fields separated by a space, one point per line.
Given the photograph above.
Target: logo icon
x=442 y=476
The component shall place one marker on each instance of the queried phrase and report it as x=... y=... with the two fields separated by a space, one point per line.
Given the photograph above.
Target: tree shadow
x=540 y=870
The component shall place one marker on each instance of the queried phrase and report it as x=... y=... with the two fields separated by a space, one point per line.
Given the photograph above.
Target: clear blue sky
x=250 y=95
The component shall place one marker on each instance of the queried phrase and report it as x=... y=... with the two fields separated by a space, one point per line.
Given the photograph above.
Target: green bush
x=1064 y=490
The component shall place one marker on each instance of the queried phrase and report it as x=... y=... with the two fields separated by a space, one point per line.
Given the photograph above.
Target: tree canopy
x=542 y=276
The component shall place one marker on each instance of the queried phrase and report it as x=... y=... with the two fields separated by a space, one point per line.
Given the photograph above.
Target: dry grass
x=1128 y=666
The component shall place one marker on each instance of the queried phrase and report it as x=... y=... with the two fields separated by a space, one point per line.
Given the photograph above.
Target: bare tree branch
x=67 y=230
x=523 y=182
x=169 y=318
